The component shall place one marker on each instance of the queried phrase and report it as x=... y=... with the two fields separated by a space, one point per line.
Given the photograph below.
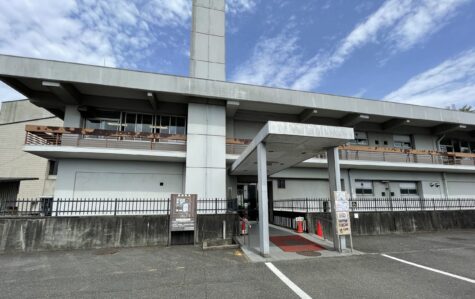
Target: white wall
x=117 y=179
x=295 y=189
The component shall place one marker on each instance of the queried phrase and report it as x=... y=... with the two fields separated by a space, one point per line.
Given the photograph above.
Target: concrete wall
x=377 y=223
x=80 y=178
x=14 y=162
x=66 y=233
x=301 y=189
x=20 y=111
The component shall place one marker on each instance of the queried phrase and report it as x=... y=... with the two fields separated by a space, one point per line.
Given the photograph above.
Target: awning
x=288 y=144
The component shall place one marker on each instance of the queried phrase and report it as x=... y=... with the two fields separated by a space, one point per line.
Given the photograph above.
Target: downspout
x=350 y=185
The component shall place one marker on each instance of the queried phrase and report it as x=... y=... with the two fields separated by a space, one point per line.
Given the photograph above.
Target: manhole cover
x=309 y=253
x=107 y=251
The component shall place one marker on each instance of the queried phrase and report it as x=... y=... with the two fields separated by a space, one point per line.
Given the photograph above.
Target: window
x=364 y=188
x=281 y=183
x=360 y=139
x=408 y=188
x=52 y=167
x=402 y=141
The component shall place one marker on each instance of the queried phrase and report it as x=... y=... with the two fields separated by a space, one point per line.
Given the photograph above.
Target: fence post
x=216 y=206
x=306 y=204
x=115 y=207
x=460 y=204
x=57 y=206
x=405 y=203
x=420 y=204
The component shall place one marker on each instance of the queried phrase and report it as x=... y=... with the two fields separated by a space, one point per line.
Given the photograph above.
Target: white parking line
x=288 y=282
x=430 y=269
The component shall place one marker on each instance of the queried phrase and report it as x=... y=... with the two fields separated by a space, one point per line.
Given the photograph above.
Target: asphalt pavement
x=189 y=272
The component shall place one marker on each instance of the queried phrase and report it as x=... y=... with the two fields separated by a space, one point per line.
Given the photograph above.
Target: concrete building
x=22 y=174
x=147 y=135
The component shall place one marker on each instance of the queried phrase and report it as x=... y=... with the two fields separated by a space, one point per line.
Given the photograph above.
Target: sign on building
x=182 y=213
x=342 y=209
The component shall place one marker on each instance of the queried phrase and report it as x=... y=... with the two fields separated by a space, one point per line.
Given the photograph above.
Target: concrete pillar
x=72 y=117
x=206 y=151
x=445 y=185
x=263 y=199
x=208 y=40
x=335 y=185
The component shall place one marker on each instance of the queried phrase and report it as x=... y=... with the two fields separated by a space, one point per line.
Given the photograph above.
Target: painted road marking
x=288 y=282
x=430 y=269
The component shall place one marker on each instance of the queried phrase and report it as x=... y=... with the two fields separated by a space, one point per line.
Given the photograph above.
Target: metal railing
x=83 y=137
x=107 y=206
x=376 y=204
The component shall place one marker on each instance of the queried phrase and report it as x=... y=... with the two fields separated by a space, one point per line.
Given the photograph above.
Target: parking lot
x=187 y=271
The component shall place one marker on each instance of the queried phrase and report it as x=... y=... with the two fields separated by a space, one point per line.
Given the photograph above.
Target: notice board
x=182 y=213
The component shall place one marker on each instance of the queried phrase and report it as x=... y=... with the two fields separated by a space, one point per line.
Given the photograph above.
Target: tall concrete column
x=263 y=199
x=206 y=151
x=72 y=117
x=334 y=180
x=208 y=40
x=206 y=141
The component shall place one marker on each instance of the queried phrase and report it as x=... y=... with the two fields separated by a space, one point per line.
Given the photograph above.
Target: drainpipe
x=350 y=185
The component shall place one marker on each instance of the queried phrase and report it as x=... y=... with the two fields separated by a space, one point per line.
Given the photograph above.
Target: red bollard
x=299 y=226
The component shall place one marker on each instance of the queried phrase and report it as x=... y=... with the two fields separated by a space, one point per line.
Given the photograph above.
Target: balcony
x=165 y=144
x=63 y=142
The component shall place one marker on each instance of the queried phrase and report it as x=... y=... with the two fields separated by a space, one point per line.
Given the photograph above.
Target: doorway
x=248 y=199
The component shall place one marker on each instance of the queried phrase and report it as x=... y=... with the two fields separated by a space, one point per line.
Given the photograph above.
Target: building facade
x=129 y=134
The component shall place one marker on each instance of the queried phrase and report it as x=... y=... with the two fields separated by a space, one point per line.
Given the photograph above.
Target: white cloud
x=272 y=62
x=397 y=24
x=238 y=6
x=450 y=83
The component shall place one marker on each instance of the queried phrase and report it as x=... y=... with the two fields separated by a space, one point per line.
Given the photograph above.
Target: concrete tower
x=208 y=40
x=206 y=162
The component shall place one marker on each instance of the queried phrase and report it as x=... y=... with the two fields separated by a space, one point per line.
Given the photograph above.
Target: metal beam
x=65 y=92
x=394 y=123
x=153 y=99
x=307 y=114
x=447 y=128
x=353 y=119
x=231 y=108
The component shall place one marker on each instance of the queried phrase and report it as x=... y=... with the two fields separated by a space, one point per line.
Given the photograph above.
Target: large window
x=408 y=188
x=136 y=122
x=364 y=187
x=402 y=141
x=361 y=138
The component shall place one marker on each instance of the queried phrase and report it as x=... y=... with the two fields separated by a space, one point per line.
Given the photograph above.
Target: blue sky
x=411 y=51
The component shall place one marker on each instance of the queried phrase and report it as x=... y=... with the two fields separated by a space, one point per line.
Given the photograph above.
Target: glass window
x=402 y=141
x=361 y=138
x=408 y=188
x=364 y=187
x=52 y=167
x=281 y=183
x=180 y=125
x=129 y=123
x=164 y=125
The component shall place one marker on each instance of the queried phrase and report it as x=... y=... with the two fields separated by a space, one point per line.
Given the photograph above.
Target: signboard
x=342 y=209
x=182 y=212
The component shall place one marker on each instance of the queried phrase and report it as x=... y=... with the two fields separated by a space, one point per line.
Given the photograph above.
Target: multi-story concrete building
x=22 y=174
x=137 y=134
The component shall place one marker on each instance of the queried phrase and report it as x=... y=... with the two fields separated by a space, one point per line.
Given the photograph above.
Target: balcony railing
x=61 y=136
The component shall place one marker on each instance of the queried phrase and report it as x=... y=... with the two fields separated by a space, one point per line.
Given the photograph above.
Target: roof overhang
x=288 y=144
x=53 y=84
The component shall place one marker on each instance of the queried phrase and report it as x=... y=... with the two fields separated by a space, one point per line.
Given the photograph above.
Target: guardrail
x=107 y=206
x=376 y=204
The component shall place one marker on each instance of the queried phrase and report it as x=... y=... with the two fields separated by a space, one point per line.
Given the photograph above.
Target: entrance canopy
x=288 y=144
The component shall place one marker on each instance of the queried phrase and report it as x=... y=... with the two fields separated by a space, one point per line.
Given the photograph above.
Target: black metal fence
x=107 y=206
x=376 y=204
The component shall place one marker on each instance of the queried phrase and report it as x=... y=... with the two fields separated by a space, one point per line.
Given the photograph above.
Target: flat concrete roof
x=29 y=73
x=288 y=144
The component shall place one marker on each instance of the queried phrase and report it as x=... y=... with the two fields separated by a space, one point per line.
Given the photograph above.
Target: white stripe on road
x=288 y=282
x=430 y=269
